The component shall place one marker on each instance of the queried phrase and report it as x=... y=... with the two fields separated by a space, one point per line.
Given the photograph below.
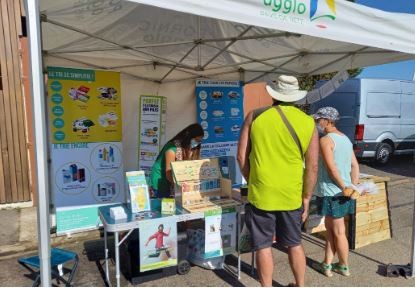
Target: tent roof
x=174 y=40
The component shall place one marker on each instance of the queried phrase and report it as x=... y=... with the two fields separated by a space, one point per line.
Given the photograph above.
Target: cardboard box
x=199 y=185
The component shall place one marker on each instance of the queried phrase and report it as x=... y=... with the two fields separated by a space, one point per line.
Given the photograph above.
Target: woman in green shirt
x=183 y=146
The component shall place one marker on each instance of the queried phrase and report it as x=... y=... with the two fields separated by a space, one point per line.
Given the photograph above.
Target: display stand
x=132 y=223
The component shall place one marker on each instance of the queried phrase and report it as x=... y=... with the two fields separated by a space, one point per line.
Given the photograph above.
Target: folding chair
x=59 y=257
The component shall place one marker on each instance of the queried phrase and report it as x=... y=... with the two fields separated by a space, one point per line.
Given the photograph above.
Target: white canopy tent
x=160 y=47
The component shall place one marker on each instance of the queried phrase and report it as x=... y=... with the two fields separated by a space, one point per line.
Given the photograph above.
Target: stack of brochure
x=138 y=191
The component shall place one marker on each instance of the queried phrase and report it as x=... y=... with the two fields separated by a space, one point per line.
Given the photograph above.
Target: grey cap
x=329 y=113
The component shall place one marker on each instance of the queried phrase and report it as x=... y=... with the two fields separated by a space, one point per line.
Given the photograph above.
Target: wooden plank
x=373 y=227
x=2 y=180
x=371 y=206
x=9 y=33
x=17 y=15
x=370 y=198
x=9 y=160
x=22 y=8
x=29 y=117
x=25 y=192
x=373 y=238
x=365 y=218
x=376 y=179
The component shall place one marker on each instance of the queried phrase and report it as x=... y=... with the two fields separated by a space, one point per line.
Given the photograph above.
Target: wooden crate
x=372 y=220
x=199 y=186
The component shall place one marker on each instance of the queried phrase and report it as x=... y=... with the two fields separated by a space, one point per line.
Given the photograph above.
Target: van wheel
x=383 y=153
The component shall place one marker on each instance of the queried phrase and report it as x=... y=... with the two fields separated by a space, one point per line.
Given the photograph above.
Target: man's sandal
x=341 y=269
x=323 y=268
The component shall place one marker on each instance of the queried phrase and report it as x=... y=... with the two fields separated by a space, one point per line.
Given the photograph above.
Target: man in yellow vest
x=278 y=155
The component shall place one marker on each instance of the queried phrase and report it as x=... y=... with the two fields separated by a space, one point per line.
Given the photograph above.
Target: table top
x=133 y=219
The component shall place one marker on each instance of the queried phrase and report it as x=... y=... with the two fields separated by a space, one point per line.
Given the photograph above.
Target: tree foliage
x=308 y=82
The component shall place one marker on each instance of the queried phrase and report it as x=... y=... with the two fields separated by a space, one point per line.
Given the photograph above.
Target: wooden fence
x=14 y=160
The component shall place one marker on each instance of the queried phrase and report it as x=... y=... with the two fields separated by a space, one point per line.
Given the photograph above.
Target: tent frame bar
x=337 y=60
x=226 y=47
x=275 y=69
x=127 y=47
x=194 y=41
x=102 y=68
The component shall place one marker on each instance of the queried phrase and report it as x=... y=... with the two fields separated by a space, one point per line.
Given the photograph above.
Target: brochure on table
x=151 y=134
x=86 y=150
x=220 y=232
x=220 y=112
x=139 y=200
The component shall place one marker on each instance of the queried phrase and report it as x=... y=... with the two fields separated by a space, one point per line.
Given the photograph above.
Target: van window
x=383 y=105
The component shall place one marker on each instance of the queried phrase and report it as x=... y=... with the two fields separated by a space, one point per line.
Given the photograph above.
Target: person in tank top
x=338 y=169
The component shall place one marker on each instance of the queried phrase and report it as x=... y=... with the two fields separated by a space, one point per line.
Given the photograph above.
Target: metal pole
x=117 y=258
x=413 y=242
x=39 y=122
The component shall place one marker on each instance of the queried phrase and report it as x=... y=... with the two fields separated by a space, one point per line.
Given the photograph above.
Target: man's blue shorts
x=263 y=225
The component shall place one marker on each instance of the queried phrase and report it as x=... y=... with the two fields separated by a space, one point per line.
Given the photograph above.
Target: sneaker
x=341 y=269
x=323 y=268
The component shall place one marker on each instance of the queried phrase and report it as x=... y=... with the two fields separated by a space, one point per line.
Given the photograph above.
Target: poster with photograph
x=158 y=243
x=220 y=232
x=152 y=123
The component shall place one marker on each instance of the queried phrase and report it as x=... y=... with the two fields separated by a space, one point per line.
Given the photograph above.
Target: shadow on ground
x=402 y=165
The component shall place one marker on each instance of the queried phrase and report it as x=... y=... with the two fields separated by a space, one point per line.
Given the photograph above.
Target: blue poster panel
x=220 y=109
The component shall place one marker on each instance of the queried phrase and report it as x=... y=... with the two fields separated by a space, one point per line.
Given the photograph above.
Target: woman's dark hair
x=161 y=226
x=188 y=133
x=184 y=137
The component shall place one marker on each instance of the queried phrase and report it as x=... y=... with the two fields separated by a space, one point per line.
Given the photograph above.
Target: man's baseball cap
x=329 y=113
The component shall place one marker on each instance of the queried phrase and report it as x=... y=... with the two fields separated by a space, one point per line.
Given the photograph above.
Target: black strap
x=291 y=129
x=258 y=112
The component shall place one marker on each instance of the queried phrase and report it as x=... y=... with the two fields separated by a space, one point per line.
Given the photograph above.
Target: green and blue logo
x=322 y=9
x=297 y=11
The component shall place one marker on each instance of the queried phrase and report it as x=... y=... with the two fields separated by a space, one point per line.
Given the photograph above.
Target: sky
x=398 y=70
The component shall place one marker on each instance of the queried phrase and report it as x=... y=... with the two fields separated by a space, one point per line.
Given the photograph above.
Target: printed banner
x=87 y=174
x=158 y=243
x=152 y=123
x=86 y=151
x=84 y=105
x=220 y=112
x=220 y=109
x=76 y=219
x=220 y=232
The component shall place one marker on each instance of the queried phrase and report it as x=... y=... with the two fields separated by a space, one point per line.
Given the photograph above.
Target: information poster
x=220 y=232
x=85 y=105
x=158 y=243
x=220 y=113
x=86 y=151
x=152 y=123
x=87 y=173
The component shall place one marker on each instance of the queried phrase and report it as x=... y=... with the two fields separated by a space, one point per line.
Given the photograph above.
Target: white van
x=378 y=115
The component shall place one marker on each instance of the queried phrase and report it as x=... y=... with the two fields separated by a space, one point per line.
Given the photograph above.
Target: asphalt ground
x=367 y=263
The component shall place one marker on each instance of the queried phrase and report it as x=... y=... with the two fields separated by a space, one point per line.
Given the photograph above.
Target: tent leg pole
x=413 y=242
x=39 y=122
